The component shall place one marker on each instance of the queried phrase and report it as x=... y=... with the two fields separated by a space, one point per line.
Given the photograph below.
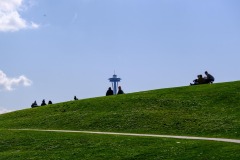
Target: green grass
x=26 y=145
x=204 y=110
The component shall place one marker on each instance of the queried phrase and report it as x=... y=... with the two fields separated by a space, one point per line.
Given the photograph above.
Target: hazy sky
x=54 y=50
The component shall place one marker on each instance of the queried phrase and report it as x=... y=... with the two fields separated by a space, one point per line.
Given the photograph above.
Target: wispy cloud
x=8 y=84
x=10 y=18
x=3 y=110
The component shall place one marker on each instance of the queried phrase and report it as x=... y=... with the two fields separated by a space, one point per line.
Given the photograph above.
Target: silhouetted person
x=120 y=91
x=34 y=104
x=199 y=80
x=75 y=98
x=49 y=102
x=209 y=78
x=43 y=103
x=109 y=92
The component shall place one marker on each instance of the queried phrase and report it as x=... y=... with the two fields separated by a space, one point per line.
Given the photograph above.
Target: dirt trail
x=139 y=135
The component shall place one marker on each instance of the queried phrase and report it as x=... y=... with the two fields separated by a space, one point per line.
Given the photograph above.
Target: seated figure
x=75 y=98
x=209 y=78
x=120 y=91
x=109 y=92
x=43 y=103
x=199 y=80
x=34 y=104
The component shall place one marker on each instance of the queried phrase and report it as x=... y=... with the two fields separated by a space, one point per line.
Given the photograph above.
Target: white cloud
x=3 y=110
x=10 y=19
x=8 y=83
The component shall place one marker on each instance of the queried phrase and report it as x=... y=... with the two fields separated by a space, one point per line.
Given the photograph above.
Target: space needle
x=114 y=80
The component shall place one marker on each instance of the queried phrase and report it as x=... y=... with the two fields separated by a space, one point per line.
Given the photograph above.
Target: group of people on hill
x=200 y=80
x=110 y=91
x=34 y=104
x=203 y=80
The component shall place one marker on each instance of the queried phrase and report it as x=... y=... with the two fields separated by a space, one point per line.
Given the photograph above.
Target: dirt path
x=139 y=135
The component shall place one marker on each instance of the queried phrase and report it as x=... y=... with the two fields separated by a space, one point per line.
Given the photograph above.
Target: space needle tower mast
x=114 y=80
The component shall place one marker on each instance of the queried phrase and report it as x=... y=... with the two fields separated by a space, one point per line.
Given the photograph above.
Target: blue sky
x=54 y=50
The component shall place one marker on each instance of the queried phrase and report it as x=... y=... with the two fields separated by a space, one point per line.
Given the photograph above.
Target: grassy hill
x=204 y=110
x=27 y=145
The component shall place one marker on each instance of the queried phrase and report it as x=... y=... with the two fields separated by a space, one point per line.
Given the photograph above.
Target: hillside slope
x=204 y=110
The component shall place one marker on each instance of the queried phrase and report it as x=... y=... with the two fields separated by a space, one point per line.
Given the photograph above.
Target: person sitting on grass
x=43 y=103
x=120 y=91
x=50 y=102
x=209 y=78
x=75 y=98
x=199 y=80
x=34 y=104
x=109 y=92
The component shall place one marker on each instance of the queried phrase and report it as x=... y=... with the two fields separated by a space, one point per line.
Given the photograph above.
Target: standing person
x=109 y=92
x=209 y=78
x=120 y=91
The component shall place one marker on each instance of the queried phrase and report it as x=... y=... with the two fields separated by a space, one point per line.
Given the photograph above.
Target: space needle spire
x=114 y=80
